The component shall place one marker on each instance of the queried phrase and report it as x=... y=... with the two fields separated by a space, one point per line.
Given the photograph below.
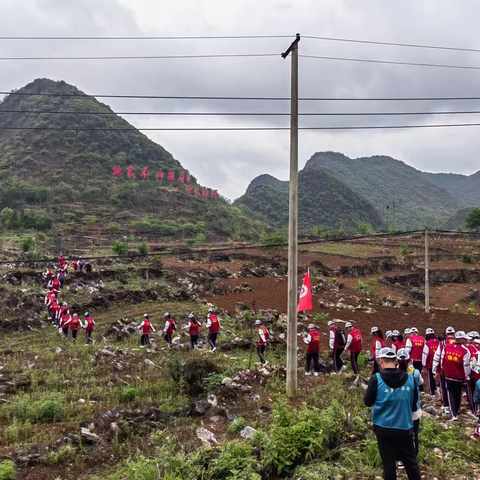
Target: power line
x=391 y=62
x=188 y=37
x=147 y=57
x=247 y=114
x=193 y=129
x=392 y=44
x=198 y=97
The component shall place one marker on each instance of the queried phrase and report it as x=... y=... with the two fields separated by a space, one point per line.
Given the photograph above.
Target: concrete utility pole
x=427 y=276
x=293 y=226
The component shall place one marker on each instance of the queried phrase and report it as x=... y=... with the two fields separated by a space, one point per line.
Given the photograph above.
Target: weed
x=471 y=309
x=405 y=250
x=236 y=462
x=8 y=470
x=64 y=454
x=237 y=426
x=176 y=368
x=143 y=248
x=212 y=381
x=119 y=248
x=467 y=258
x=129 y=394
x=320 y=317
x=456 y=308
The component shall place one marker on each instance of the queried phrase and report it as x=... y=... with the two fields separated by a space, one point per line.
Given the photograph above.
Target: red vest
x=65 y=318
x=56 y=284
x=55 y=307
x=399 y=344
x=374 y=350
x=453 y=361
x=266 y=333
x=215 y=326
x=432 y=348
x=75 y=264
x=147 y=327
x=314 y=345
x=418 y=343
x=473 y=350
x=335 y=344
x=74 y=323
x=90 y=325
x=171 y=326
x=194 y=327
x=49 y=274
x=356 y=345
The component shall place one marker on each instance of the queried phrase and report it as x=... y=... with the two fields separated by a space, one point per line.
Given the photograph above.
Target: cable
x=392 y=44
x=387 y=62
x=148 y=57
x=238 y=114
x=216 y=129
x=195 y=37
x=196 y=97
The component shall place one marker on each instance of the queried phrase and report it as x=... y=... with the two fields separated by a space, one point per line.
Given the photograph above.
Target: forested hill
x=348 y=191
x=66 y=175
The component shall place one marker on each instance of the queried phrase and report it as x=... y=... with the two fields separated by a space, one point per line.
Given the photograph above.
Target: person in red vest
x=193 y=328
x=47 y=274
x=448 y=338
x=312 y=340
x=414 y=346
x=170 y=327
x=389 y=340
x=55 y=307
x=51 y=295
x=213 y=325
x=470 y=385
x=337 y=346
x=377 y=345
x=455 y=363
x=354 y=344
x=74 y=325
x=61 y=311
x=89 y=326
x=54 y=284
x=75 y=265
x=147 y=328
x=64 y=321
x=263 y=335
x=429 y=349
x=61 y=259
x=397 y=341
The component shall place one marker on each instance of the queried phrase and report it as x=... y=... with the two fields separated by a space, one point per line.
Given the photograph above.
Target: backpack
x=340 y=337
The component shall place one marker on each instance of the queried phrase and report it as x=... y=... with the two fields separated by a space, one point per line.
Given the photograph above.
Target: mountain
x=323 y=200
x=464 y=187
x=335 y=190
x=66 y=175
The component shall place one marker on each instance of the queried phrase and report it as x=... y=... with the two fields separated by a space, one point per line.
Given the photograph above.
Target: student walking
x=405 y=364
x=394 y=397
x=414 y=346
x=429 y=349
x=74 y=325
x=354 y=345
x=89 y=326
x=337 y=346
x=193 y=328
x=455 y=363
x=170 y=327
x=81 y=264
x=397 y=340
x=213 y=325
x=65 y=320
x=263 y=335
x=448 y=338
x=377 y=345
x=147 y=328
x=312 y=340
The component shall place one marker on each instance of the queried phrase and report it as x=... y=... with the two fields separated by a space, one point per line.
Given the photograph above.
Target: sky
x=228 y=161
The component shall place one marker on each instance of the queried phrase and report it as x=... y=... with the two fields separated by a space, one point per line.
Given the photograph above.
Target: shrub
x=119 y=248
x=467 y=258
x=51 y=409
x=212 y=381
x=8 y=470
x=364 y=228
x=471 y=309
x=143 y=248
x=405 y=250
x=176 y=368
x=114 y=227
x=456 y=308
x=129 y=394
x=27 y=244
x=235 y=462
x=17 y=432
x=89 y=219
x=278 y=239
x=237 y=426
x=320 y=317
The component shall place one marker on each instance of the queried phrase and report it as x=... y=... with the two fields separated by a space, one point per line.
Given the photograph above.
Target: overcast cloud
x=228 y=161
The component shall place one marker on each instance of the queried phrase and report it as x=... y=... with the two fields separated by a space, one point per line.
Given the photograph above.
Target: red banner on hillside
x=305 y=302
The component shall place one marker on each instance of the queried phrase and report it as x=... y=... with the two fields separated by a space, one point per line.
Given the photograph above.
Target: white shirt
x=143 y=323
x=408 y=345
x=349 y=341
x=331 y=342
x=262 y=335
x=426 y=351
x=209 y=322
x=378 y=347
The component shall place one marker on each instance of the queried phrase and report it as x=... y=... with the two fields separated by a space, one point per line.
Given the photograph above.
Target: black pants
x=354 y=362
x=194 y=340
x=376 y=367
x=261 y=350
x=418 y=365
x=470 y=388
x=337 y=359
x=49 y=312
x=212 y=339
x=454 y=390
x=394 y=448
x=88 y=334
x=62 y=282
x=168 y=338
x=145 y=340
x=312 y=357
x=416 y=428
x=74 y=335
x=81 y=268
x=432 y=384
x=443 y=391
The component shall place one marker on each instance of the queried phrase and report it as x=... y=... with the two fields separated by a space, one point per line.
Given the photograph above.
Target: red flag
x=305 y=302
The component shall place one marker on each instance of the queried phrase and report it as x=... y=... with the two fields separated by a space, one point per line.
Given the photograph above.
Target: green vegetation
x=371 y=287
x=120 y=248
x=143 y=248
x=405 y=250
x=471 y=309
x=364 y=228
x=467 y=258
x=8 y=470
x=237 y=426
x=27 y=244
x=114 y=227
x=473 y=219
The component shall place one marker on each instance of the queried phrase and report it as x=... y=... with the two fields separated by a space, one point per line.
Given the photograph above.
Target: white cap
x=388 y=333
x=461 y=334
x=407 y=331
x=395 y=333
x=145 y=315
x=210 y=310
x=64 y=304
x=258 y=322
x=312 y=325
x=386 y=353
x=75 y=315
x=403 y=354
x=474 y=334
x=86 y=314
x=450 y=330
x=166 y=315
x=429 y=331
x=191 y=315
x=330 y=323
x=348 y=325
x=414 y=330
x=373 y=330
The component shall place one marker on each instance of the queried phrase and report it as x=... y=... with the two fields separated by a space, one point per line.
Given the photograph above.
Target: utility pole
x=293 y=226
x=427 y=275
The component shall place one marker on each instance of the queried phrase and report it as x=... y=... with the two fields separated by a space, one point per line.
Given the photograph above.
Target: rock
x=227 y=381
x=438 y=453
x=247 y=432
x=217 y=288
x=240 y=307
x=199 y=408
x=206 y=436
x=81 y=400
x=194 y=373
x=149 y=364
x=242 y=343
x=212 y=400
x=58 y=350
x=88 y=436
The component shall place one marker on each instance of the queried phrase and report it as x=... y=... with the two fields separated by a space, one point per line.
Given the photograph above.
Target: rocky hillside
x=66 y=175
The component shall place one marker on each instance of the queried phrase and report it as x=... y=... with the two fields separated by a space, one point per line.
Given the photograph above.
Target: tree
x=6 y=216
x=318 y=231
x=473 y=219
x=364 y=228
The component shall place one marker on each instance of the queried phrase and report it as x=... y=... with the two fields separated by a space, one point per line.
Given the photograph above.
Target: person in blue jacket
x=393 y=394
